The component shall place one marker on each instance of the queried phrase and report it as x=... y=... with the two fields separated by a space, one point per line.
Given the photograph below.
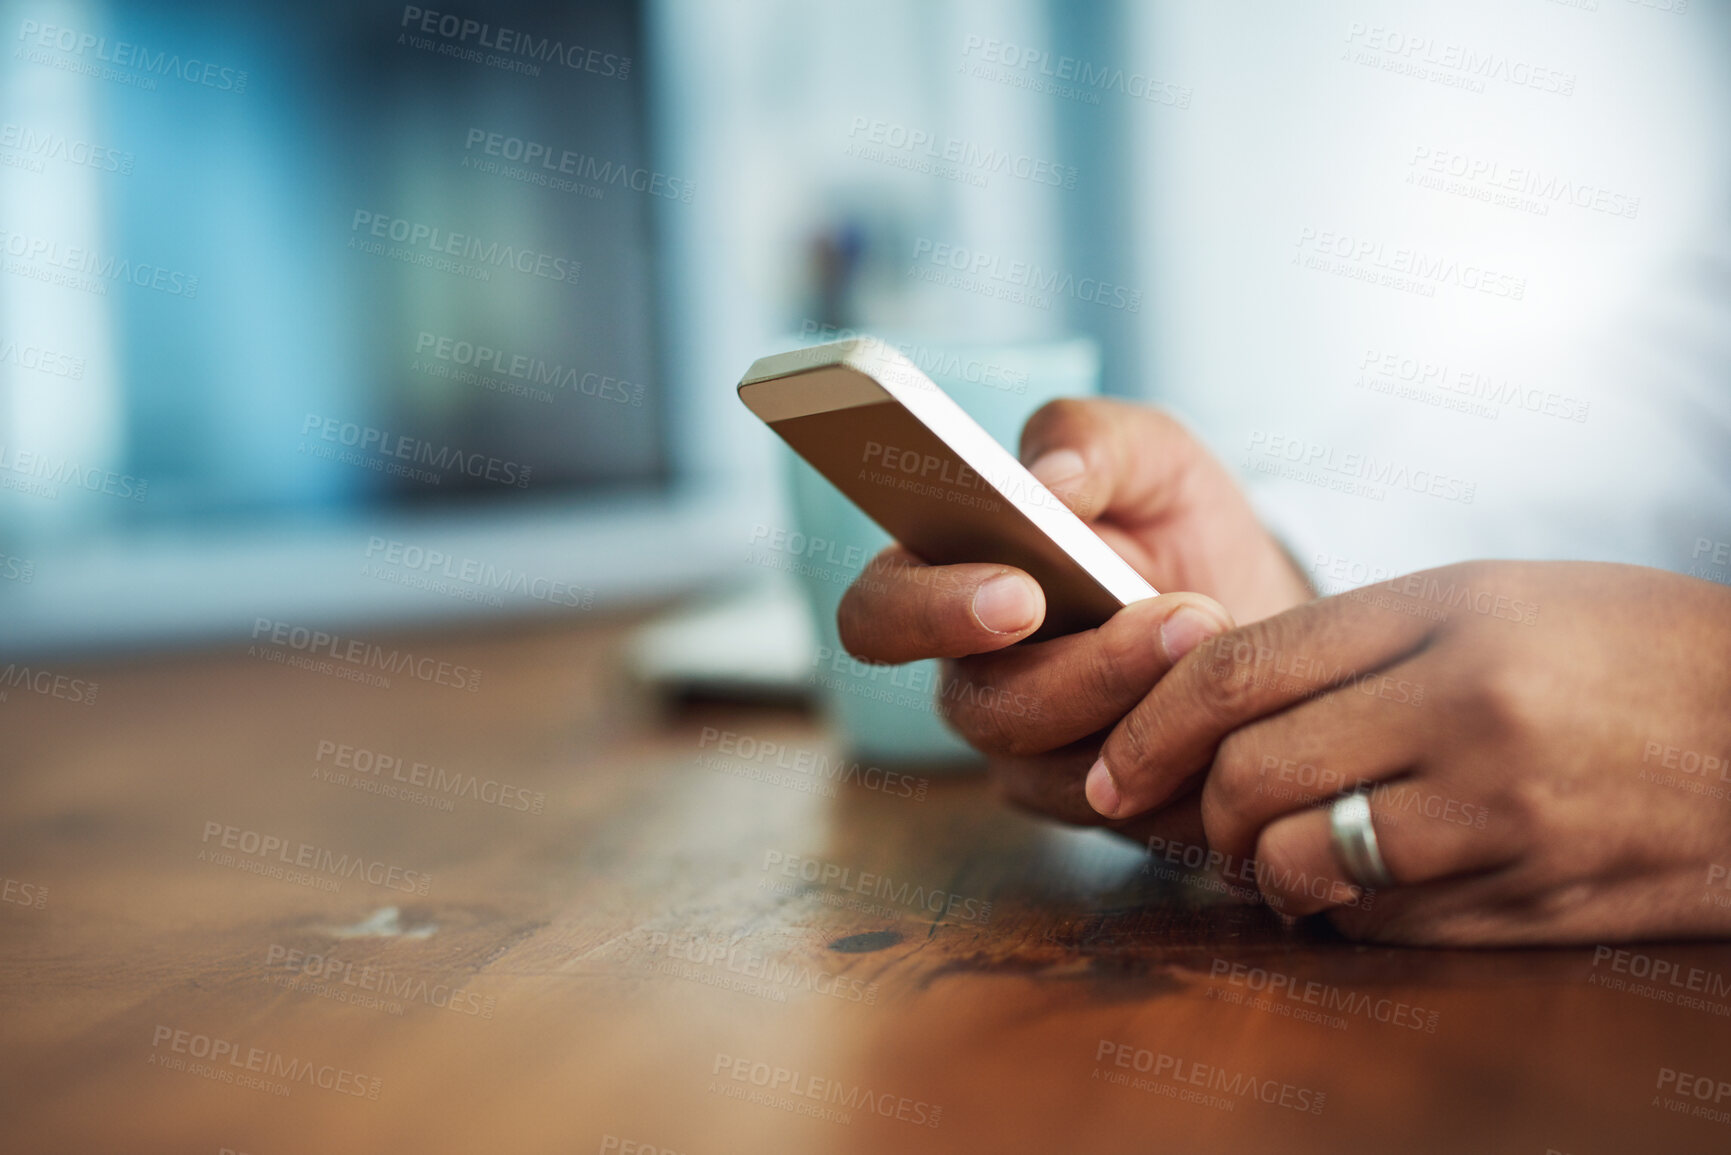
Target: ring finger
x=1301 y=871
x=1308 y=753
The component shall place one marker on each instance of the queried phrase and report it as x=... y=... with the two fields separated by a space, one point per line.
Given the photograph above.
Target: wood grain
x=607 y=966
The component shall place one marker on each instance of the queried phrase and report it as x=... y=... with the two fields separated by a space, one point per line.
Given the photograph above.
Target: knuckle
x=974 y=713
x=1058 y=413
x=1161 y=420
x=1105 y=678
x=869 y=601
x=1225 y=680
x=1234 y=778
x=1508 y=697
x=1220 y=825
x=1137 y=736
x=1066 y=419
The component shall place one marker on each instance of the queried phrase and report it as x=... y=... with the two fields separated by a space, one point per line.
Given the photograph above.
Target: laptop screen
x=325 y=259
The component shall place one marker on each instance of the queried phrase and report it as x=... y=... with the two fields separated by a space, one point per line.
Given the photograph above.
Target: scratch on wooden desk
x=868 y=941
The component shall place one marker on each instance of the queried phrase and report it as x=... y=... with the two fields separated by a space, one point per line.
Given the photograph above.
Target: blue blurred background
x=292 y=293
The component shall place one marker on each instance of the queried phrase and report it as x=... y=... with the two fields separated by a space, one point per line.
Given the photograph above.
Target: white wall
x=1289 y=131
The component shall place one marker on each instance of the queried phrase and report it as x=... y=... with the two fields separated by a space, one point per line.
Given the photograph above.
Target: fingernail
x=1006 y=604
x=1101 y=790
x=1059 y=468
x=1186 y=629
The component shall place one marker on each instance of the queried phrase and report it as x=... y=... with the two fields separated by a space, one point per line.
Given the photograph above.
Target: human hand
x=1156 y=496
x=1544 y=746
x=1163 y=501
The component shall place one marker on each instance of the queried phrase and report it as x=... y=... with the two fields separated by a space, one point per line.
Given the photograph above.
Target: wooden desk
x=618 y=968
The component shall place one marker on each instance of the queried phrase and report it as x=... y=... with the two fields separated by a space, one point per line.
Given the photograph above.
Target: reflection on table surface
x=259 y=907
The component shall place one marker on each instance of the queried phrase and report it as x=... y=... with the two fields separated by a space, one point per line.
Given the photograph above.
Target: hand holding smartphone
x=907 y=455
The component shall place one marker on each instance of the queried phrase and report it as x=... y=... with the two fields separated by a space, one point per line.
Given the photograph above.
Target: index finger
x=1111 y=459
x=1235 y=678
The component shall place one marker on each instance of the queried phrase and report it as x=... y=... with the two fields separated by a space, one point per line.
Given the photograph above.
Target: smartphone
x=902 y=450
